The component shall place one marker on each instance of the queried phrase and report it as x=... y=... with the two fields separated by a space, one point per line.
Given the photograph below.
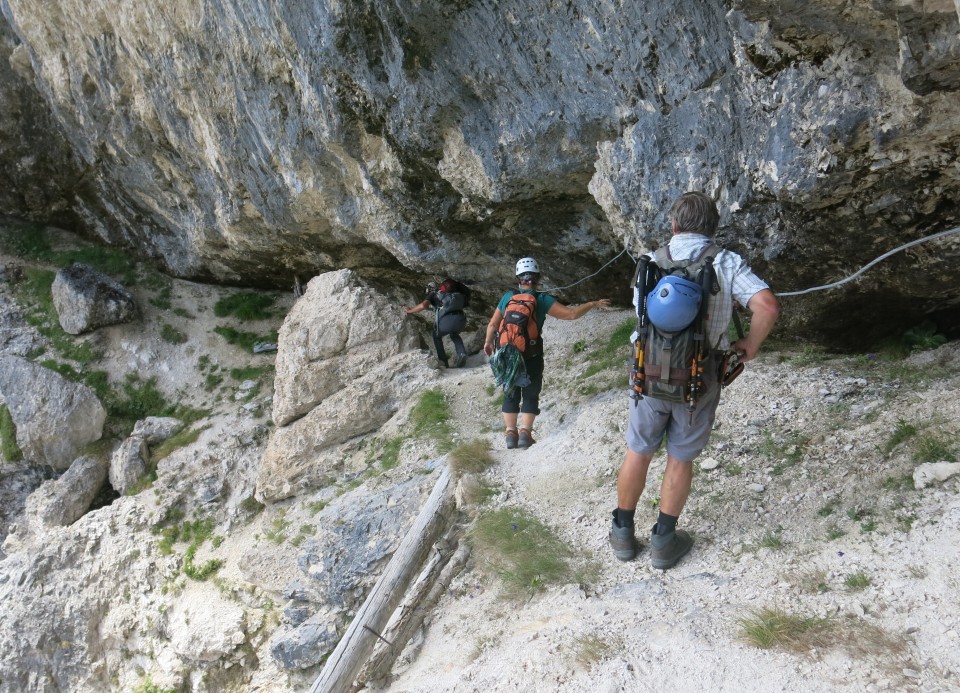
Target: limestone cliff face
x=253 y=142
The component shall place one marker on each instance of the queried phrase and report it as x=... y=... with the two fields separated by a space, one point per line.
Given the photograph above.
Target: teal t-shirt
x=544 y=301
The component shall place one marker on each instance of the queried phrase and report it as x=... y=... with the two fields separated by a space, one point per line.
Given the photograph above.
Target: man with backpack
x=515 y=327
x=448 y=298
x=690 y=304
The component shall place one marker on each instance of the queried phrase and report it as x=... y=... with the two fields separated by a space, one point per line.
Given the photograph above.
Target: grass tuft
x=472 y=457
x=245 y=306
x=524 y=553
x=431 y=418
x=770 y=628
x=8 y=436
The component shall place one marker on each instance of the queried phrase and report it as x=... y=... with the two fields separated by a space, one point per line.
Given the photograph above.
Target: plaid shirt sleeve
x=737 y=283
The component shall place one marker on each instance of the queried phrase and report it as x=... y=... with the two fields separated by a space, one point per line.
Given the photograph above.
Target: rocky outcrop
x=86 y=299
x=344 y=366
x=337 y=332
x=128 y=464
x=54 y=417
x=64 y=500
x=414 y=138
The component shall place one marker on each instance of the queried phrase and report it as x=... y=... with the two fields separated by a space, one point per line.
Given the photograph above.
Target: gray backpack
x=673 y=366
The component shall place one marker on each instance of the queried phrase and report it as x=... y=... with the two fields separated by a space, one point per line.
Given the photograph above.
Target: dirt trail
x=802 y=506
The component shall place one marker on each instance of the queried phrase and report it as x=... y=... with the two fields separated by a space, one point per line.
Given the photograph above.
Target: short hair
x=694 y=212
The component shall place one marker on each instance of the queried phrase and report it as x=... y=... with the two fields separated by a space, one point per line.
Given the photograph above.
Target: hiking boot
x=511 y=437
x=461 y=359
x=622 y=540
x=667 y=549
x=526 y=439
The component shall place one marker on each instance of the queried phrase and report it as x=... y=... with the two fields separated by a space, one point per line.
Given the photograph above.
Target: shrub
x=244 y=306
x=8 y=436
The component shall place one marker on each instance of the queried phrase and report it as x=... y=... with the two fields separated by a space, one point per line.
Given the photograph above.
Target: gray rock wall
x=252 y=144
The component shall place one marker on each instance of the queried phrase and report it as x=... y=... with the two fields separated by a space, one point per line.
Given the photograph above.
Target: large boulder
x=339 y=330
x=63 y=501
x=86 y=299
x=347 y=359
x=54 y=417
x=129 y=463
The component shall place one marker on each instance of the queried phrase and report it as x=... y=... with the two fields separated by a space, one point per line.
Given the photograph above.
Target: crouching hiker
x=685 y=297
x=514 y=334
x=448 y=298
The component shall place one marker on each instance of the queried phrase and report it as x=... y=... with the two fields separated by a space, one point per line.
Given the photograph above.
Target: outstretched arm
x=562 y=312
x=764 y=310
x=423 y=305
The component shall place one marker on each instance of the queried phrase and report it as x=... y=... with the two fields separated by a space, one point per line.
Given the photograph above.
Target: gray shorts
x=651 y=418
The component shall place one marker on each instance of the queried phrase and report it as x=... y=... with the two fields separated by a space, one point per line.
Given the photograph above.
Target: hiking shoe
x=667 y=549
x=622 y=540
x=461 y=359
x=511 y=437
x=525 y=440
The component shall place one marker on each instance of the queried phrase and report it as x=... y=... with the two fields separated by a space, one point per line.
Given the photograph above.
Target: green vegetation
x=34 y=294
x=32 y=242
x=769 y=628
x=245 y=306
x=922 y=337
x=178 y=440
x=934 y=449
x=170 y=334
x=250 y=372
x=901 y=432
x=472 y=457
x=278 y=526
x=612 y=354
x=244 y=340
x=8 y=436
x=431 y=418
x=251 y=505
x=193 y=533
x=523 y=552
x=771 y=540
x=857 y=581
x=148 y=686
x=590 y=649
x=390 y=453
x=139 y=399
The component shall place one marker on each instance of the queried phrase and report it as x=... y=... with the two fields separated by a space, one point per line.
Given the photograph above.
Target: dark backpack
x=519 y=325
x=454 y=293
x=671 y=366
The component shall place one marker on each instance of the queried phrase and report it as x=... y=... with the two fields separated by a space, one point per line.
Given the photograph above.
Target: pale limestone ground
x=678 y=629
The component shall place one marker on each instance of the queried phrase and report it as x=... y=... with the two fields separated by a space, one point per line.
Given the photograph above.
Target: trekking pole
x=637 y=375
x=706 y=280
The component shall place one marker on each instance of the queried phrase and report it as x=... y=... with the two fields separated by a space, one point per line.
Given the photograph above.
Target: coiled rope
x=832 y=285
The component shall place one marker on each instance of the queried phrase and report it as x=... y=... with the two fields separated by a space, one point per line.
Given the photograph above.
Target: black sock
x=665 y=523
x=623 y=517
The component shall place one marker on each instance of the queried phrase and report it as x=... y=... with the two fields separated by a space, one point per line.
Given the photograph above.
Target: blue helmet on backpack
x=674 y=303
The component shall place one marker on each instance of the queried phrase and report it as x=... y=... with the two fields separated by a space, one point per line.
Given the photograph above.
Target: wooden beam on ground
x=365 y=630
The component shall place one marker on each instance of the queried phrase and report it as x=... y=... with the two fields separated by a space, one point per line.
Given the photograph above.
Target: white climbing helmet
x=527 y=264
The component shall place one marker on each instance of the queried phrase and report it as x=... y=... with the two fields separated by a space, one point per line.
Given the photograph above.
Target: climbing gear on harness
x=730 y=365
x=509 y=371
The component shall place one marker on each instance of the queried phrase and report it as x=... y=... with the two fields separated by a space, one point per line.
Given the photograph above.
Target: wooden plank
x=357 y=643
x=445 y=564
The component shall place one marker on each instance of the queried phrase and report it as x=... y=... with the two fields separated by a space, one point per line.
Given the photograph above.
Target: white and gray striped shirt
x=737 y=283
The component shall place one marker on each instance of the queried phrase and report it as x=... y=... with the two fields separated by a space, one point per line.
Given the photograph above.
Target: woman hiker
x=523 y=402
